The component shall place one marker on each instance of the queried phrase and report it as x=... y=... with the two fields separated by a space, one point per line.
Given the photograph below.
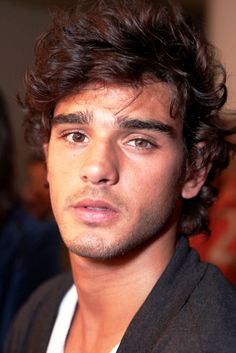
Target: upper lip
x=94 y=203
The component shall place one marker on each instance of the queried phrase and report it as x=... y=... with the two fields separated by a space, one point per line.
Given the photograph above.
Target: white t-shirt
x=63 y=322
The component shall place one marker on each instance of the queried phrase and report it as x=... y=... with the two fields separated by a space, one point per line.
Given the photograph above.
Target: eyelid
x=142 y=136
x=66 y=130
x=67 y=127
x=145 y=143
x=67 y=133
x=141 y=139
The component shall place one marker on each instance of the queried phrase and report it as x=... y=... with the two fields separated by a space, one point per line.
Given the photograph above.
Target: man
x=125 y=98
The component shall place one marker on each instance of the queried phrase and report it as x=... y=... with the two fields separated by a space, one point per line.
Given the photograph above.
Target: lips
x=94 y=211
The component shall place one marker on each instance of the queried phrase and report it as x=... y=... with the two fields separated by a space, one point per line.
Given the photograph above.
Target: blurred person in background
x=35 y=191
x=29 y=238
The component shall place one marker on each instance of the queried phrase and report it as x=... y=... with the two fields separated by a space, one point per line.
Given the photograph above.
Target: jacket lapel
x=164 y=302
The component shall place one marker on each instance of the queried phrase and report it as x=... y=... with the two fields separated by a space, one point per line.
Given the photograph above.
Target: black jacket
x=191 y=309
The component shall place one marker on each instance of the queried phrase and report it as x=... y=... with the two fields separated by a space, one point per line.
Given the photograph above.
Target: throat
x=87 y=337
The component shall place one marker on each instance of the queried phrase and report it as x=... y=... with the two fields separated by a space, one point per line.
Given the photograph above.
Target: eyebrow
x=72 y=118
x=149 y=124
x=124 y=123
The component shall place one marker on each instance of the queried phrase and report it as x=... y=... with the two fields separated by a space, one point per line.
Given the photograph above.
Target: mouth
x=96 y=208
x=94 y=211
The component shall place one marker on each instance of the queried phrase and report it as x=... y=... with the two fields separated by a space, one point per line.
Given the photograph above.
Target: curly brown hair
x=126 y=42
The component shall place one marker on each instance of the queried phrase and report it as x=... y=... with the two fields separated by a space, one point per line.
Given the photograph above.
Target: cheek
x=59 y=163
x=57 y=175
x=152 y=186
x=156 y=177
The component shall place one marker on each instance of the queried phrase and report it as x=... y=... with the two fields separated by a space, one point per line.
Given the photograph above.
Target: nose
x=100 y=165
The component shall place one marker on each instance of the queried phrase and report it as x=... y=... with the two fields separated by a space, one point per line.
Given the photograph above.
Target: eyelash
x=131 y=142
x=149 y=144
x=69 y=136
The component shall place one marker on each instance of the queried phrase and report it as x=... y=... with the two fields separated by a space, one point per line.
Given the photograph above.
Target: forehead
x=117 y=97
x=112 y=101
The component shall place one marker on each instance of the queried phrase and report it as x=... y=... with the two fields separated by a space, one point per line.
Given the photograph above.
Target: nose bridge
x=100 y=163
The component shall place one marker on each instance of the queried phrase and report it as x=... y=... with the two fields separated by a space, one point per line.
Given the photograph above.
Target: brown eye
x=77 y=137
x=140 y=143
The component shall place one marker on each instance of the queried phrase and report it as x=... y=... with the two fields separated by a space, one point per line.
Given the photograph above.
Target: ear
x=45 y=151
x=196 y=177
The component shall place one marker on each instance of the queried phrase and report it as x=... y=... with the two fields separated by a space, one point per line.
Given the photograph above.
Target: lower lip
x=93 y=216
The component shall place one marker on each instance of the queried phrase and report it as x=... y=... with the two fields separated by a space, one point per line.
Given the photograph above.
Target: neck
x=112 y=291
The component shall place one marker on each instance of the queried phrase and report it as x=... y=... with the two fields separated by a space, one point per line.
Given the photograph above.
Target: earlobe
x=197 y=176
x=193 y=185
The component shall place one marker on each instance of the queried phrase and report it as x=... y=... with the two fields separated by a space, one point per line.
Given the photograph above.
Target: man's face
x=115 y=168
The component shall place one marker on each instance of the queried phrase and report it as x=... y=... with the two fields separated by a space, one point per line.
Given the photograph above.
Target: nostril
x=104 y=180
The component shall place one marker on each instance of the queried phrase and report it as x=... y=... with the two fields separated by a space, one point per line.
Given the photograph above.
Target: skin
x=116 y=171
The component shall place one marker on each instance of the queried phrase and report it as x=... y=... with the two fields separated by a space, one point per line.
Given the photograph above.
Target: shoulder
x=215 y=291
x=213 y=309
x=34 y=322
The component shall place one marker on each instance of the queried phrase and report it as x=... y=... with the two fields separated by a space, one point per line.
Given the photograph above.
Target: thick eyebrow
x=149 y=124
x=84 y=118
x=72 y=118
